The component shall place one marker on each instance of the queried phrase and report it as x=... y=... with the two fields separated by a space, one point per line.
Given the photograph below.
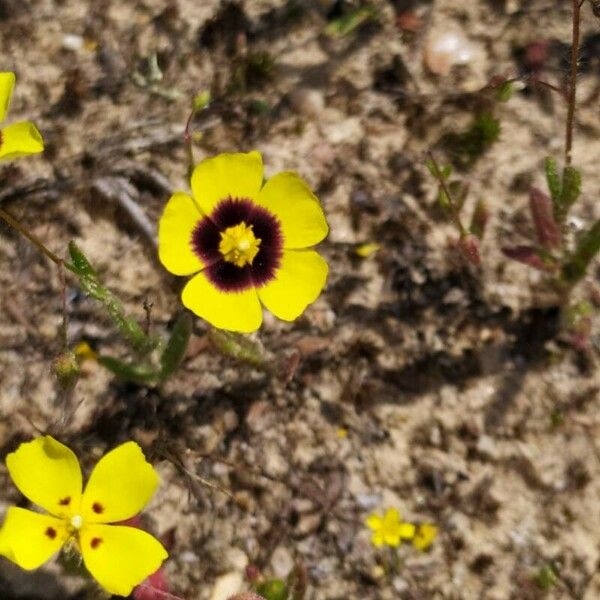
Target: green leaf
x=88 y=280
x=348 y=23
x=587 y=248
x=442 y=173
x=176 y=346
x=554 y=183
x=480 y=218
x=446 y=171
x=546 y=578
x=571 y=188
x=505 y=92
x=138 y=373
x=444 y=201
x=238 y=347
x=81 y=265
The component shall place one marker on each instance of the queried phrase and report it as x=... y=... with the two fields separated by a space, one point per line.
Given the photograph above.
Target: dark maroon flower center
x=224 y=274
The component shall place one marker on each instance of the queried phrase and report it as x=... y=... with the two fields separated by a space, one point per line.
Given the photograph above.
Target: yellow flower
x=247 y=243
x=18 y=139
x=389 y=529
x=121 y=484
x=424 y=536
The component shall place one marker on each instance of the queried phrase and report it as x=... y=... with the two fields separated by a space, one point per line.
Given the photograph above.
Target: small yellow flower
x=247 y=244
x=424 y=536
x=389 y=529
x=48 y=473
x=366 y=250
x=18 y=139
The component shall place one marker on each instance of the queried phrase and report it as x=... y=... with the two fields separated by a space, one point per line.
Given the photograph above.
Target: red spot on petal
x=50 y=532
x=95 y=543
x=65 y=501
x=98 y=508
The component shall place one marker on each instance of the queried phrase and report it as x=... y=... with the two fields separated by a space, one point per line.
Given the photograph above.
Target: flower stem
x=572 y=92
x=187 y=138
x=31 y=237
x=453 y=211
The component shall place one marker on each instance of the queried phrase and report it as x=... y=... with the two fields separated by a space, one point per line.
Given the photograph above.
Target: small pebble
x=445 y=50
x=72 y=42
x=227 y=585
x=307 y=102
x=282 y=562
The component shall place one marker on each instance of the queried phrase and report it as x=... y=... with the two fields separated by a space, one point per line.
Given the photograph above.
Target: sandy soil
x=422 y=383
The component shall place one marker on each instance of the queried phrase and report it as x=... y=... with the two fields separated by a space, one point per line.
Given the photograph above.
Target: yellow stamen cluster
x=238 y=244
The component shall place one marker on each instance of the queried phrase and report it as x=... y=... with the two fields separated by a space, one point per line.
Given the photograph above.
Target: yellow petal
x=227 y=175
x=297 y=208
x=119 y=487
x=374 y=522
x=391 y=517
x=175 y=229
x=120 y=557
x=48 y=473
x=377 y=539
x=406 y=531
x=20 y=139
x=30 y=539
x=424 y=537
x=7 y=84
x=233 y=311
x=391 y=537
x=298 y=282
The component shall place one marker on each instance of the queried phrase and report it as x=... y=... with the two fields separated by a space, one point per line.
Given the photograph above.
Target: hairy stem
x=572 y=91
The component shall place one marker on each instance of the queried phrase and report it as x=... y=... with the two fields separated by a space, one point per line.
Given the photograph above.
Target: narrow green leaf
x=446 y=171
x=481 y=216
x=587 y=248
x=571 y=189
x=348 y=23
x=432 y=168
x=176 y=346
x=238 y=347
x=80 y=263
x=88 y=280
x=444 y=201
x=138 y=373
x=553 y=179
x=505 y=92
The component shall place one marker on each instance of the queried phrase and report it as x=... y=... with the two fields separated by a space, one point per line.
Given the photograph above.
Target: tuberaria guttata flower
x=17 y=139
x=246 y=243
x=119 y=557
